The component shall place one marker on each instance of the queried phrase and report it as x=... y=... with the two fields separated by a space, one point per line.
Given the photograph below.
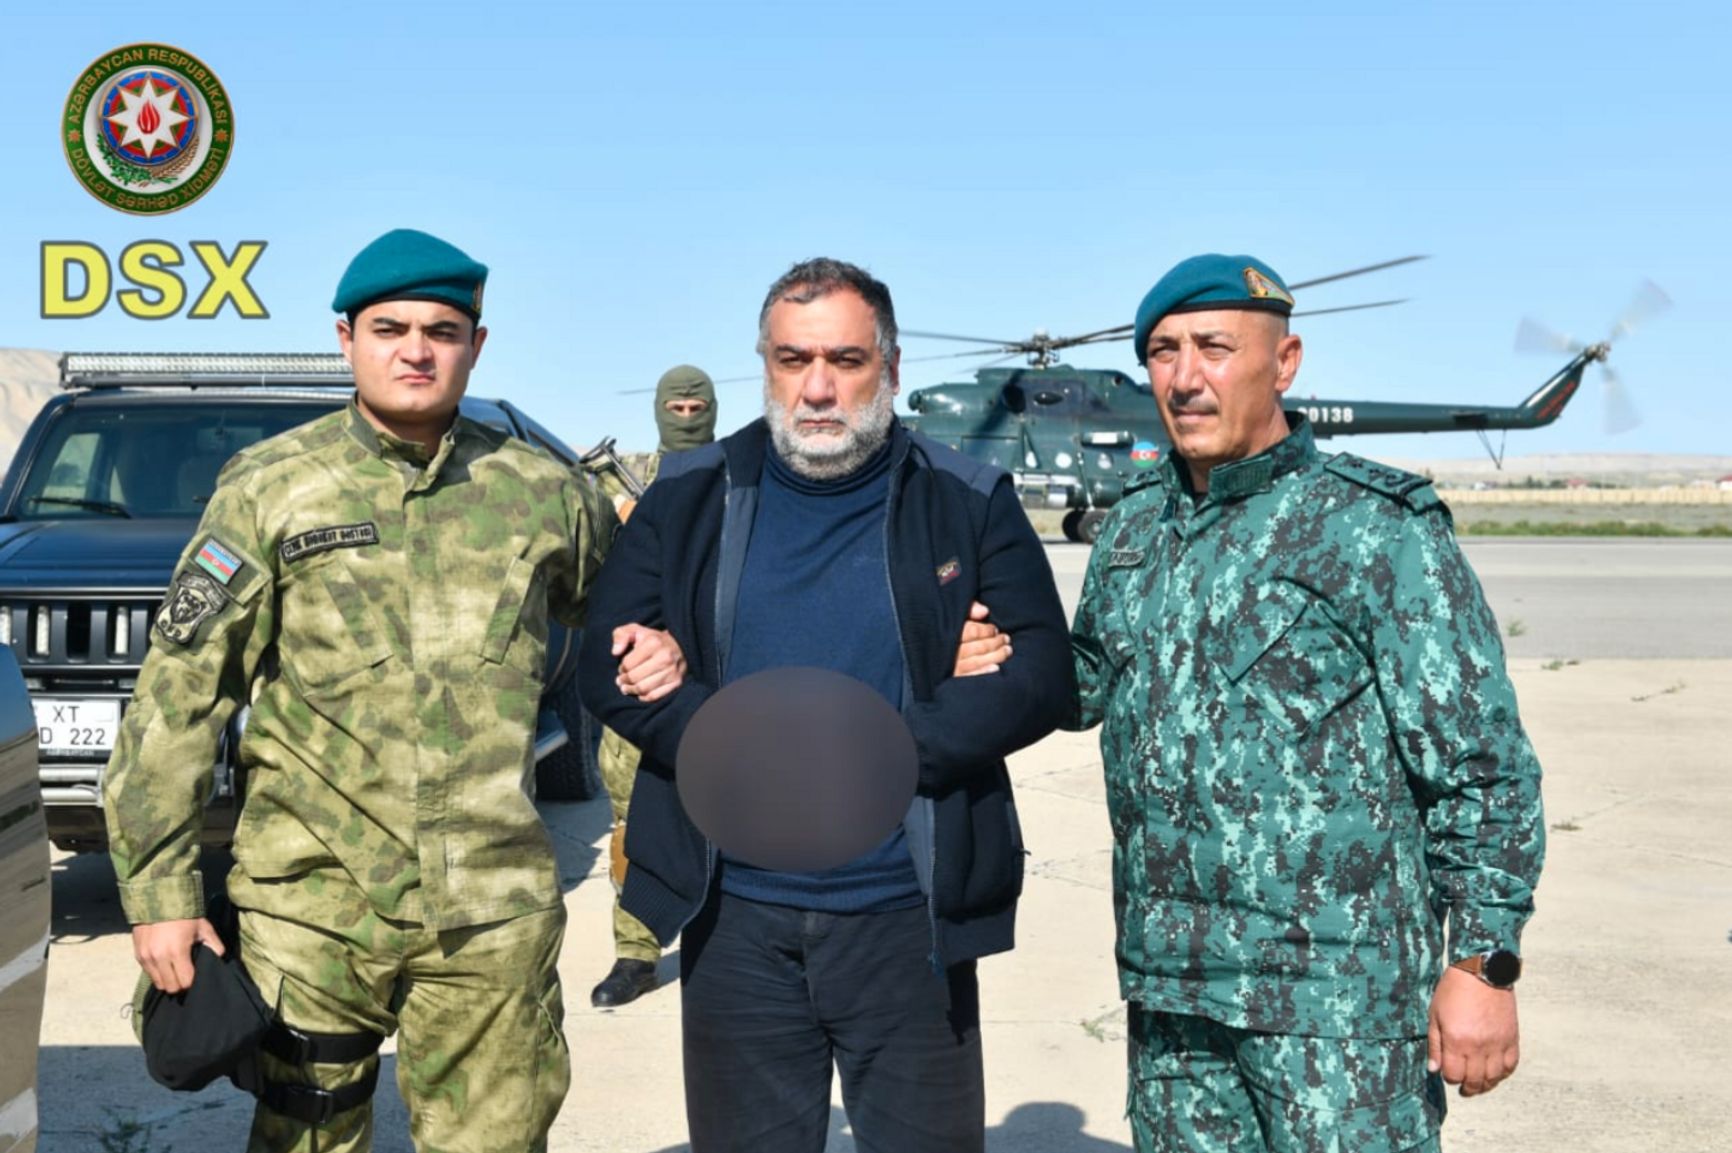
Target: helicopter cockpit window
x=1067 y=396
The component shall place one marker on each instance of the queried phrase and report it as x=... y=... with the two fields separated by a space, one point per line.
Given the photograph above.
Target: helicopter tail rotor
x=1619 y=410
x=1621 y=415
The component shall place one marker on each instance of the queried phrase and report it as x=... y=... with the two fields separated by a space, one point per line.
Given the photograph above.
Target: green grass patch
x=1589 y=528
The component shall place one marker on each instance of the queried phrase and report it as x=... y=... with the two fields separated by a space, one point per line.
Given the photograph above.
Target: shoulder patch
x=218 y=561
x=1399 y=485
x=192 y=600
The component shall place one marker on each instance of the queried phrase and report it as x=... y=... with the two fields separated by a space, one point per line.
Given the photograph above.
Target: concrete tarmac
x=1626 y=1004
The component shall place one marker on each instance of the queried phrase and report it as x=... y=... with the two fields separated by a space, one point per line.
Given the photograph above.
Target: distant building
x=1725 y=484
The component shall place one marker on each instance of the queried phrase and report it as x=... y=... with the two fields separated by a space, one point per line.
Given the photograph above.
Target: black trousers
x=772 y=997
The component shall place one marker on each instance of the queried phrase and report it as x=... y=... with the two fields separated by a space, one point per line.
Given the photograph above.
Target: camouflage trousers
x=1197 y=1086
x=632 y=941
x=481 y=1059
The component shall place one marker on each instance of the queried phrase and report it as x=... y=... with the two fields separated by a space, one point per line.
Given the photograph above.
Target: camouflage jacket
x=385 y=615
x=1312 y=751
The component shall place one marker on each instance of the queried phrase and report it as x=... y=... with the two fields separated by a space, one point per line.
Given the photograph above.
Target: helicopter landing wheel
x=1071 y=519
x=1088 y=526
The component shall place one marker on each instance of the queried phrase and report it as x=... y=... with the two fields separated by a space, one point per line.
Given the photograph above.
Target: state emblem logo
x=147 y=129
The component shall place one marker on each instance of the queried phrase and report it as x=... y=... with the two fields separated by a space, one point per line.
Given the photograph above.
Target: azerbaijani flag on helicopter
x=1145 y=453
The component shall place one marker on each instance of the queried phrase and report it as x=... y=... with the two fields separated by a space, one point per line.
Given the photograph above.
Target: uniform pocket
x=1292 y=660
x=329 y=630
x=517 y=631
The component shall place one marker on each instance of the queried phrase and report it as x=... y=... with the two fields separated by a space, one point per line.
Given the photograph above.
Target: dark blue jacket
x=956 y=534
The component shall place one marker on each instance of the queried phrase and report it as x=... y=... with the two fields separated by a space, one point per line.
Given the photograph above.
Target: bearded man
x=827 y=535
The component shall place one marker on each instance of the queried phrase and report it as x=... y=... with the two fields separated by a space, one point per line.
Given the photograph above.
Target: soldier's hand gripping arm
x=214 y=624
x=982 y=648
x=651 y=664
x=628 y=595
x=968 y=724
x=1452 y=713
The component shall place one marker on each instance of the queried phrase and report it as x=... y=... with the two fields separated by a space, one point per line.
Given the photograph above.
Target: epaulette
x=1407 y=488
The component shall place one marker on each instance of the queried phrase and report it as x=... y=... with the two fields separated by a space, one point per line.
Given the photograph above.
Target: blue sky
x=637 y=174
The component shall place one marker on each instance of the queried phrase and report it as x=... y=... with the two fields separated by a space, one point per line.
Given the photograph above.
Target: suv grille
x=81 y=637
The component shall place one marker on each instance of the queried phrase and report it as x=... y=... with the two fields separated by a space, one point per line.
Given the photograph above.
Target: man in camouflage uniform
x=376 y=585
x=685 y=419
x=1313 y=763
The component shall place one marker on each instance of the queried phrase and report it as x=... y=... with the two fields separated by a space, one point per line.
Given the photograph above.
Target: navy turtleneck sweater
x=816 y=592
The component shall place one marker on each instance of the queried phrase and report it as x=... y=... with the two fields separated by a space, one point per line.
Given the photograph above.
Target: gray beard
x=821 y=456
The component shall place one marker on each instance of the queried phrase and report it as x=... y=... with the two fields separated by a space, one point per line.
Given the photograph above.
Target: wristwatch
x=1499 y=968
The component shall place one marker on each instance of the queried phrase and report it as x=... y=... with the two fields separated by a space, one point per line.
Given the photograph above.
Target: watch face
x=1502 y=968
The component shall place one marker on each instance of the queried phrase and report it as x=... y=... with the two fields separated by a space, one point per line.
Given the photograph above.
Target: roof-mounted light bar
x=115 y=369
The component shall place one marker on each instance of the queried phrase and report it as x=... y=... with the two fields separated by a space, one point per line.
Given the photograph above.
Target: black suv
x=105 y=492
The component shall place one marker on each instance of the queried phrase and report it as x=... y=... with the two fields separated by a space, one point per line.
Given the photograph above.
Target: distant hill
x=1637 y=470
x=28 y=377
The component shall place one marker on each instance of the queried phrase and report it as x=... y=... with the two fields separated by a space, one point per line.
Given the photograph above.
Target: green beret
x=1207 y=283
x=405 y=264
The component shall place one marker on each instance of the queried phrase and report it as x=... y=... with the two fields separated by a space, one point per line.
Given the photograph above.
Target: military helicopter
x=1073 y=437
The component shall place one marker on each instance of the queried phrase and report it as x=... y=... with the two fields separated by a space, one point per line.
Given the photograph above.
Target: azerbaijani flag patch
x=218 y=561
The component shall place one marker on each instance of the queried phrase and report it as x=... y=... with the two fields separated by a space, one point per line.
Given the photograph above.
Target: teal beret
x=405 y=264
x=1207 y=283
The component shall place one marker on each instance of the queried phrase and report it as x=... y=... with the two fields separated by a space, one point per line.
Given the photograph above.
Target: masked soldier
x=376 y=585
x=1313 y=762
x=685 y=419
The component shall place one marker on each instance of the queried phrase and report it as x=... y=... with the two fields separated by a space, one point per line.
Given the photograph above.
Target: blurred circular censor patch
x=797 y=769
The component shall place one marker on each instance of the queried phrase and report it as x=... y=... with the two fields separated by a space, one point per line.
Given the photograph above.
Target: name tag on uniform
x=1125 y=557
x=325 y=539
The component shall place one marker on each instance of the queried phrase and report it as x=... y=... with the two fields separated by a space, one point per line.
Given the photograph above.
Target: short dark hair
x=813 y=279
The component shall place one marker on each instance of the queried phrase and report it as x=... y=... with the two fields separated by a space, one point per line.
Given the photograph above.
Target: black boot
x=625 y=982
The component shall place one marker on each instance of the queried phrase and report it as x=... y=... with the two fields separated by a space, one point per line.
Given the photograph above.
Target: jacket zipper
x=907 y=699
x=709 y=846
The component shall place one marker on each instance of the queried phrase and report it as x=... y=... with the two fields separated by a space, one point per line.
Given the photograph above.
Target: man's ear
x=345 y=338
x=1288 y=353
x=480 y=339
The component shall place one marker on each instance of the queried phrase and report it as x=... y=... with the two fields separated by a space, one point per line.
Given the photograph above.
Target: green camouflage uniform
x=618 y=758
x=1312 y=752
x=385 y=614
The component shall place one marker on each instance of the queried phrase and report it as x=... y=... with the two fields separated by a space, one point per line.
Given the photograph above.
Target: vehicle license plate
x=76 y=726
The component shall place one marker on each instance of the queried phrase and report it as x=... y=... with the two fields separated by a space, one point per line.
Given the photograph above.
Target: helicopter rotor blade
x=1116 y=332
x=1095 y=338
x=1650 y=300
x=1007 y=354
x=725 y=380
x=1532 y=336
x=1349 y=307
x=1620 y=412
x=952 y=336
x=1354 y=272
